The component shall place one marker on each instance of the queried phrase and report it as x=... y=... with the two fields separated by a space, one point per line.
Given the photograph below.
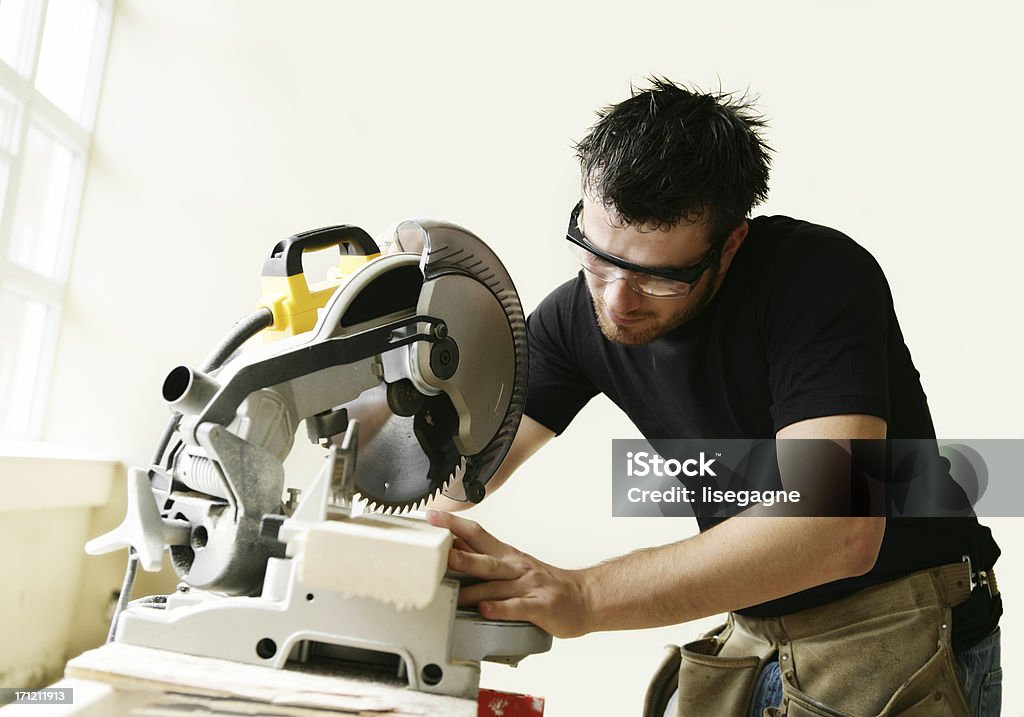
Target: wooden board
x=188 y=685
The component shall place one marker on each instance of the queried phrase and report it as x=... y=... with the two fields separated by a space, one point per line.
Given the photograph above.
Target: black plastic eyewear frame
x=686 y=275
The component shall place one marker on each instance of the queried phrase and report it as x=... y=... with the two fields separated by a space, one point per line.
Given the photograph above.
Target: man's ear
x=732 y=245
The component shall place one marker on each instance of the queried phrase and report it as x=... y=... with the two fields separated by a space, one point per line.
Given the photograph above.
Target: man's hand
x=741 y=562
x=518 y=586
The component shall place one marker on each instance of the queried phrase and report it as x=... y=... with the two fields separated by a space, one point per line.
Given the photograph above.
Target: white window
x=51 y=57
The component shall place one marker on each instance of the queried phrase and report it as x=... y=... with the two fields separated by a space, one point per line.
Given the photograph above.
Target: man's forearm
x=739 y=563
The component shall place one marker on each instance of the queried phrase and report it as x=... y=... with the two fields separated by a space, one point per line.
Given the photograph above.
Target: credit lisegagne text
x=740 y=498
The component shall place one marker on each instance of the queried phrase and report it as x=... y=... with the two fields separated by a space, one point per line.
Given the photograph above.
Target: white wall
x=226 y=126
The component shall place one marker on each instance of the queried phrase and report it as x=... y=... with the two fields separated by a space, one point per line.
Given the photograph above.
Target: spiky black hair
x=671 y=153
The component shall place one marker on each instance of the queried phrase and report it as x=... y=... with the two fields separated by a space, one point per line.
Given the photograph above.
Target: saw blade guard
x=448 y=250
x=470 y=377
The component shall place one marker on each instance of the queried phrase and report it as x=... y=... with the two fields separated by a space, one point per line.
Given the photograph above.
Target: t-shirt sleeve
x=825 y=335
x=558 y=387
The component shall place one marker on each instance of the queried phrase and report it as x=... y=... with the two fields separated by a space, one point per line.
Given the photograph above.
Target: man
x=701 y=323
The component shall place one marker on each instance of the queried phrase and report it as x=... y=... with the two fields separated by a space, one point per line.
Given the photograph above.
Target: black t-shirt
x=803 y=326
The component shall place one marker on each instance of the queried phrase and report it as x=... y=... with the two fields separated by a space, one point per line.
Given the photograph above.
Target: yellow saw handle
x=292 y=300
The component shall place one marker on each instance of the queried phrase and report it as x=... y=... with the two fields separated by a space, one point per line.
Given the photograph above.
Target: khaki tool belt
x=897 y=635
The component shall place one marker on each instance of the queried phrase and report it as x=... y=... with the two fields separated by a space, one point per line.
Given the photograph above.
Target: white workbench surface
x=127 y=681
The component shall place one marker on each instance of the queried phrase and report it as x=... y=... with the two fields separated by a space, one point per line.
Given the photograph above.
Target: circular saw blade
x=468 y=420
x=403 y=460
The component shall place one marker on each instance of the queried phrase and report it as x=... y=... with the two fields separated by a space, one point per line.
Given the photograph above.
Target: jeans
x=979 y=668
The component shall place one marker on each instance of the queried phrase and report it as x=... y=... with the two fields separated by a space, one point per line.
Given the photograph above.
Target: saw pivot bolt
x=444 y=359
x=441 y=330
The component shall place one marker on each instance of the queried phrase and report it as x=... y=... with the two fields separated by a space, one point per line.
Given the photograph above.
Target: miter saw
x=410 y=369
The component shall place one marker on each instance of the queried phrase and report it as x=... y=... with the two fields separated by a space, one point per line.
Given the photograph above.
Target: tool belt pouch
x=888 y=659
x=663 y=684
x=932 y=691
x=713 y=685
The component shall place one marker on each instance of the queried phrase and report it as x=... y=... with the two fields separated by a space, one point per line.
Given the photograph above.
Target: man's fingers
x=485 y=567
x=460 y=544
x=471 y=595
x=470 y=532
x=511 y=609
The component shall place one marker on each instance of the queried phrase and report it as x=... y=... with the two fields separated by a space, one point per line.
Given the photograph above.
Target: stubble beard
x=647 y=332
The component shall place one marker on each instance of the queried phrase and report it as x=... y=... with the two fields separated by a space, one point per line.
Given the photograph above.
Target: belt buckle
x=981 y=575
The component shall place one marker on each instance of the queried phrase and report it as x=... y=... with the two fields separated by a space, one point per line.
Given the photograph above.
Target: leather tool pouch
x=884 y=651
x=663 y=684
x=873 y=653
x=710 y=684
x=932 y=690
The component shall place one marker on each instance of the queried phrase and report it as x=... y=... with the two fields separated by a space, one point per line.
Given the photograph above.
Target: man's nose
x=620 y=297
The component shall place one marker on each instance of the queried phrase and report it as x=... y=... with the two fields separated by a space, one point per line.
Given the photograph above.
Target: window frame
x=34 y=109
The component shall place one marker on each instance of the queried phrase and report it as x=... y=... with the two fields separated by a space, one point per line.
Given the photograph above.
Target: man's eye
x=663 y=284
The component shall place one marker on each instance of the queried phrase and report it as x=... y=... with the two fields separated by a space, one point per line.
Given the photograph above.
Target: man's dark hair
x=670 y=153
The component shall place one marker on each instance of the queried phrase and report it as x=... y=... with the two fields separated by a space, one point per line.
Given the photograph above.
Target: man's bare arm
x=529 y=439
x=739 y=563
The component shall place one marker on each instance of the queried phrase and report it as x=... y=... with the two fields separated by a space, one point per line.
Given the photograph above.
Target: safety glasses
x=655 y=283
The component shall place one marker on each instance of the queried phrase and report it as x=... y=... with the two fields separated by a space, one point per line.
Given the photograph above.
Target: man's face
x=628 y=317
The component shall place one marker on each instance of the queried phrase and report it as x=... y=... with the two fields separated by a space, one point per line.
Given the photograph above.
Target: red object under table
x=492 y=703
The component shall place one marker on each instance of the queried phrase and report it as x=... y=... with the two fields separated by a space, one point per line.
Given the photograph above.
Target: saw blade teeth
x=377 y=504
x=420 y=505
